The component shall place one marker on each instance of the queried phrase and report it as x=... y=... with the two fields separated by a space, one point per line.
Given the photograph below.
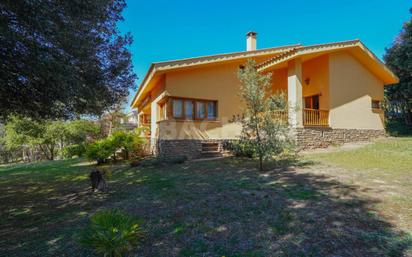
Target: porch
x=306 y=84
x=311 y=117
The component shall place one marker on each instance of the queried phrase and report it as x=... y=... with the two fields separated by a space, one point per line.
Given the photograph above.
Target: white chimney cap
x=251 y=41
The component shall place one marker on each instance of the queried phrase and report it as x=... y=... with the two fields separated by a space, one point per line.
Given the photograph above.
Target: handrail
x=281 y=116
x=315 y=117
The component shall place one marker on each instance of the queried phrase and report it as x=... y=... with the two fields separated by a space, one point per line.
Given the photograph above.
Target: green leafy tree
x=21 y=134
x=399 y=58
x=262 y=128
x=81 y=131
x=60 y=59
x=46 y=135
x=50 y=137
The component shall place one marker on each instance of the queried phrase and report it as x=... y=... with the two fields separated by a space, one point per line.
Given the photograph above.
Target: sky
x=168 y=30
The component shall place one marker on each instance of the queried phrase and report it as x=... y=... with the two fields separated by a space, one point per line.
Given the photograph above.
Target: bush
x=242 y=148
x=127 y=142
x=398 y=127
x=74 y=150
x=100 y=150
x=111 y=233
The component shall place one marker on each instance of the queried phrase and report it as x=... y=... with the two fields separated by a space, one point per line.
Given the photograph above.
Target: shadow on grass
x=234 y=210
x=216 y=208
x=41 y=204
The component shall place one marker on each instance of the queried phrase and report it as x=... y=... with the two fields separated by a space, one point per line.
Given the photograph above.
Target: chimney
x=251 y=41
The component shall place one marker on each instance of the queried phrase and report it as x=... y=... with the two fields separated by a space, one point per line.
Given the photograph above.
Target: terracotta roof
x=220 y=57
x=286 y=53
x=175 y=64
x=303 y=50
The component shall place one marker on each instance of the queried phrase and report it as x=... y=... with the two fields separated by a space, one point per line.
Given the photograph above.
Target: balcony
x=315 y=117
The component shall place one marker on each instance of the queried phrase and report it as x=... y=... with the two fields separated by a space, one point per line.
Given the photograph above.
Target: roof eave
x=169 y=65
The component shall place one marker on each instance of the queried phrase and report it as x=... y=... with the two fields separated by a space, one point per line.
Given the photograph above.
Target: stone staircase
x=210 y=150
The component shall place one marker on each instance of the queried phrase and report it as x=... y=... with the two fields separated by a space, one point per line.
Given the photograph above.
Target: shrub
x=111 y=233
x=127 y=142
x=100 y=150
x=74 y=150
x=122 y=140
x=398 y=127
x=242 y=148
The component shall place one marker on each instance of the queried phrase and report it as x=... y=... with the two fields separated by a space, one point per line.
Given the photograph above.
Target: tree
x=81 y=131
x=20 y=135
x=47 y=136
x=262 y=128
x=398 y=57
x=60 y=59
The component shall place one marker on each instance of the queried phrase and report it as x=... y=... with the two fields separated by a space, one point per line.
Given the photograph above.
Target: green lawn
x=342 y=203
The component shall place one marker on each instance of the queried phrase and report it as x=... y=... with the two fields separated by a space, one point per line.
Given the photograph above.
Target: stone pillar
x=295 y=93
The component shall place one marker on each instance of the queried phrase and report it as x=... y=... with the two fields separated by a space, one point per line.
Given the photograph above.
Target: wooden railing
x=313 y=117
x=282 y=116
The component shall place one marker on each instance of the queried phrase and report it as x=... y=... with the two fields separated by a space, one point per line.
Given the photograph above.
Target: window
x=211 y=110
x=177 y=108
x=376 y=104
x=200 y=110
x=192 y=109
x=189 y=109
x=312 y=102
x=163 y=111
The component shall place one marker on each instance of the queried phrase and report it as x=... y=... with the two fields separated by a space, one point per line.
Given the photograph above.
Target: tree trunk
x=260 y=163
x=408 y=117
x=52 y=153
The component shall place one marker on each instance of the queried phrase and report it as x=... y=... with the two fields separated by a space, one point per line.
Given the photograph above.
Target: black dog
x=97 y=180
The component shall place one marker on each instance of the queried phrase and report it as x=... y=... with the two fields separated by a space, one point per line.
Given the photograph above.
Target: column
x=295 y=93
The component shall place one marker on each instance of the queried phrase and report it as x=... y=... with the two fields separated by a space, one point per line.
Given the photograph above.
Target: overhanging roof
x=283 y=55
x=203 y=60
x=356 y=48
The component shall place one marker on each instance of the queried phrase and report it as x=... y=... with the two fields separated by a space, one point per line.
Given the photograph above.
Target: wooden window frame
x=379 y=104
x=172 y=107
x=194 y=111
x=162 y=111
x=311 y=101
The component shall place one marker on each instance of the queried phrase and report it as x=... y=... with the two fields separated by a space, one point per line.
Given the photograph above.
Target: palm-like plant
x=111 y=233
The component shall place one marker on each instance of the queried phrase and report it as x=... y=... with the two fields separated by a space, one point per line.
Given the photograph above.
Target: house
x=338 y=88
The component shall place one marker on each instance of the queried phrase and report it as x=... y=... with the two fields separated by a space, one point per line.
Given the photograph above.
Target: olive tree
x=264 y=127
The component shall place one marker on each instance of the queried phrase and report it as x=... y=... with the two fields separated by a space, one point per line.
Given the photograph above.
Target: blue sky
x=167 y=30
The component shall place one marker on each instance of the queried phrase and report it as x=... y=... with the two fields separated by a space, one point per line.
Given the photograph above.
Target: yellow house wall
x=352 y=87
x=346 y=88
x=218 y=82
x=280 y=80
x=317 y=71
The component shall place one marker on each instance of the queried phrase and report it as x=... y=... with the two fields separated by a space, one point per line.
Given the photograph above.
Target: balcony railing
x=314 y=117
x=281 y=116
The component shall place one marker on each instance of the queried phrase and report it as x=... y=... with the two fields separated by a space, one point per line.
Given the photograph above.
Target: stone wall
x=191 y=148
x=310 y=138
x=307 y=138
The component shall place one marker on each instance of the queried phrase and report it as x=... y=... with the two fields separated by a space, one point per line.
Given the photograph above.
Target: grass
x=389 y=155
x=383 y=169
x=341 y=203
